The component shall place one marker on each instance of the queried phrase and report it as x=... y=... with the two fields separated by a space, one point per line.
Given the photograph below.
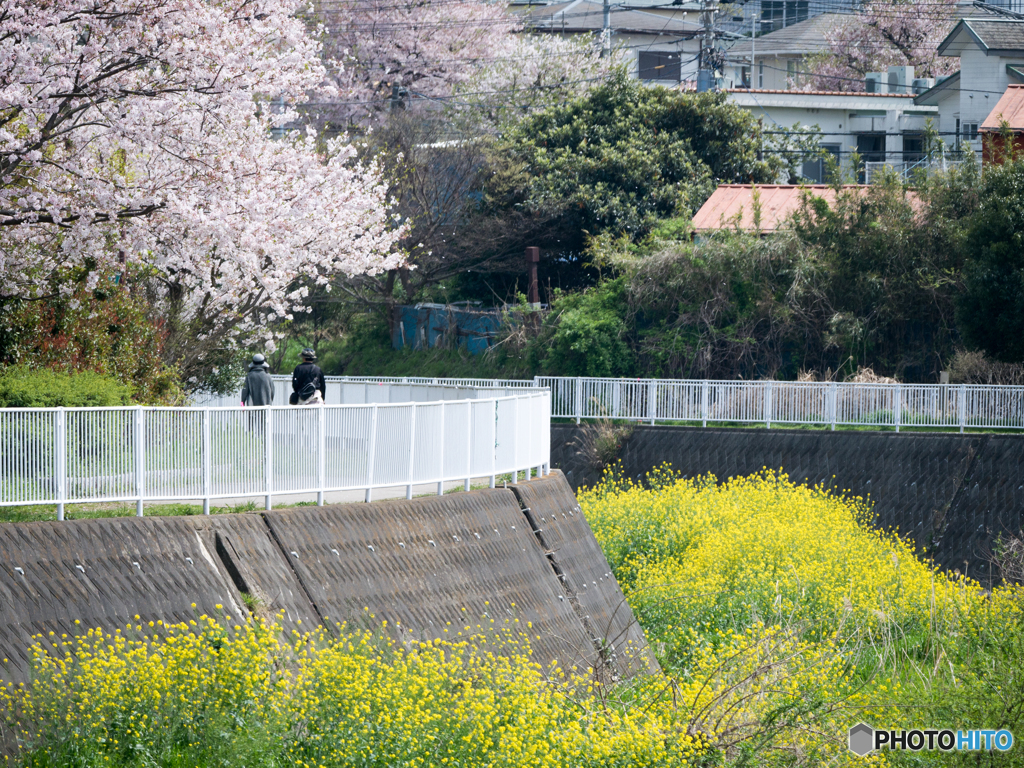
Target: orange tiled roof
x=733 y=205
x=1010 y=108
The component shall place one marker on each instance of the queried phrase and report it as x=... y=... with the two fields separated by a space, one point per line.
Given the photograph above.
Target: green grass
x=28 y=513
x=34 y=512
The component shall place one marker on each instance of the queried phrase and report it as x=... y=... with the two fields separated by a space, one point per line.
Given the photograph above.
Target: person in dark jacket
x=259 y=387
x=308 y=383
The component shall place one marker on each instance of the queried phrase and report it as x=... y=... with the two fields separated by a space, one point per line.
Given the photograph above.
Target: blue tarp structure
x=425 y=326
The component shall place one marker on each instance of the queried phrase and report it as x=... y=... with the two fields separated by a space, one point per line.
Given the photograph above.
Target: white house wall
x=839 y=117
x=982 y=81
x=630 y=45
x=770 y=72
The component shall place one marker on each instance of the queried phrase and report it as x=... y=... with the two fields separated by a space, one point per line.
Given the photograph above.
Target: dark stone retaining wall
x=429 y=566
x=952 y=494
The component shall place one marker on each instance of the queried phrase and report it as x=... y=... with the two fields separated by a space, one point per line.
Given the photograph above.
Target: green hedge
x=24 y=387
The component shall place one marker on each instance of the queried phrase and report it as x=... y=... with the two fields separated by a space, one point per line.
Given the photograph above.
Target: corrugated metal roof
x=732 y=205
x=1010 y=108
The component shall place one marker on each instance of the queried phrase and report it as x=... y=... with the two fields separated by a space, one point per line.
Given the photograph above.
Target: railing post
x=652 y=400
x=412 y=450
x=268 y=455
x=469 y=443
x=616 y=400
x=768 y=404
x=321 y=426
x=961 y=407
x=440 y=482
x=140 y=459
x=534 y=432
x=704 y=404
x=515 y=440
x=372 y=448
x=546 y=398
x=60 y=459
x=579 y=398
x=206 y=460
x=833 y=390
x=897 y=406
x=494 y=444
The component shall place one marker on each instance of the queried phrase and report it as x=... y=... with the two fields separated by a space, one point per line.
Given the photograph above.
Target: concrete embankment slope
x=430 y=567
x=952 y=494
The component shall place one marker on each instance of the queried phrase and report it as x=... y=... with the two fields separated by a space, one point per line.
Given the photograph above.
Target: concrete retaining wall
x=433 y=567
x=430 y=567
x=585 y=575
x=952 y=494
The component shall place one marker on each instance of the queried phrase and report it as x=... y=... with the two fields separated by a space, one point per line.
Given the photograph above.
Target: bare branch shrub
x=600 y=441
x=977 y=368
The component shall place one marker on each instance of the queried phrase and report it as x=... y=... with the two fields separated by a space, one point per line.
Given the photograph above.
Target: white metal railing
x=947 y=406
x=929 y=164
x=75 y=455
x=352 y=390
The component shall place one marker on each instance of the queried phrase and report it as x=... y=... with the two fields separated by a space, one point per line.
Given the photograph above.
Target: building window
x=776 y=14
x=745 y=77
x=659 y=65
x=969 y=131
x=791 y=72
x=871 y=147
x=913 y=147
x=760 y=75
x=820 y=170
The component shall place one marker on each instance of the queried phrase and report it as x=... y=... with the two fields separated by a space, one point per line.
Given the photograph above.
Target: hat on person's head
x=258 y=361
x=308 y=354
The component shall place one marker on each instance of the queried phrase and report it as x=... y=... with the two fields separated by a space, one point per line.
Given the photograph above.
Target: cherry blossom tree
x=528 y=72
x=151 y=133
x=883 y=34
x=396 y=52
x=393 y=49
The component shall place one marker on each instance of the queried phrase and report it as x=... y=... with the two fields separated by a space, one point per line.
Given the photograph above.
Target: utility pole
x=606 y=30
x=532 y=290
x=708 y=57
x=398 y=95
x=753 y=36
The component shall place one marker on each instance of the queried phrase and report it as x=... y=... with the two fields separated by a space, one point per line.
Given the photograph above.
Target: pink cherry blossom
x=144 y=130
x=430 y=51
x=882 y=34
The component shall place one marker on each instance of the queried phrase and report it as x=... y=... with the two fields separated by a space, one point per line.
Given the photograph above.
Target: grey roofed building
x=994 y=36
x=991 y=53
x=579 y=16
x=657 y=48
x=803 y=38
x=778 y=56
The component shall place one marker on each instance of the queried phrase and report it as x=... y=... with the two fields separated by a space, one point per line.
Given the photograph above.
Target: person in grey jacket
x=259 y=387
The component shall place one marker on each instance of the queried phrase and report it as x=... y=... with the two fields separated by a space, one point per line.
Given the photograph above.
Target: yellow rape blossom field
x=780 y=618
x=218 y=693
x=806 y=620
